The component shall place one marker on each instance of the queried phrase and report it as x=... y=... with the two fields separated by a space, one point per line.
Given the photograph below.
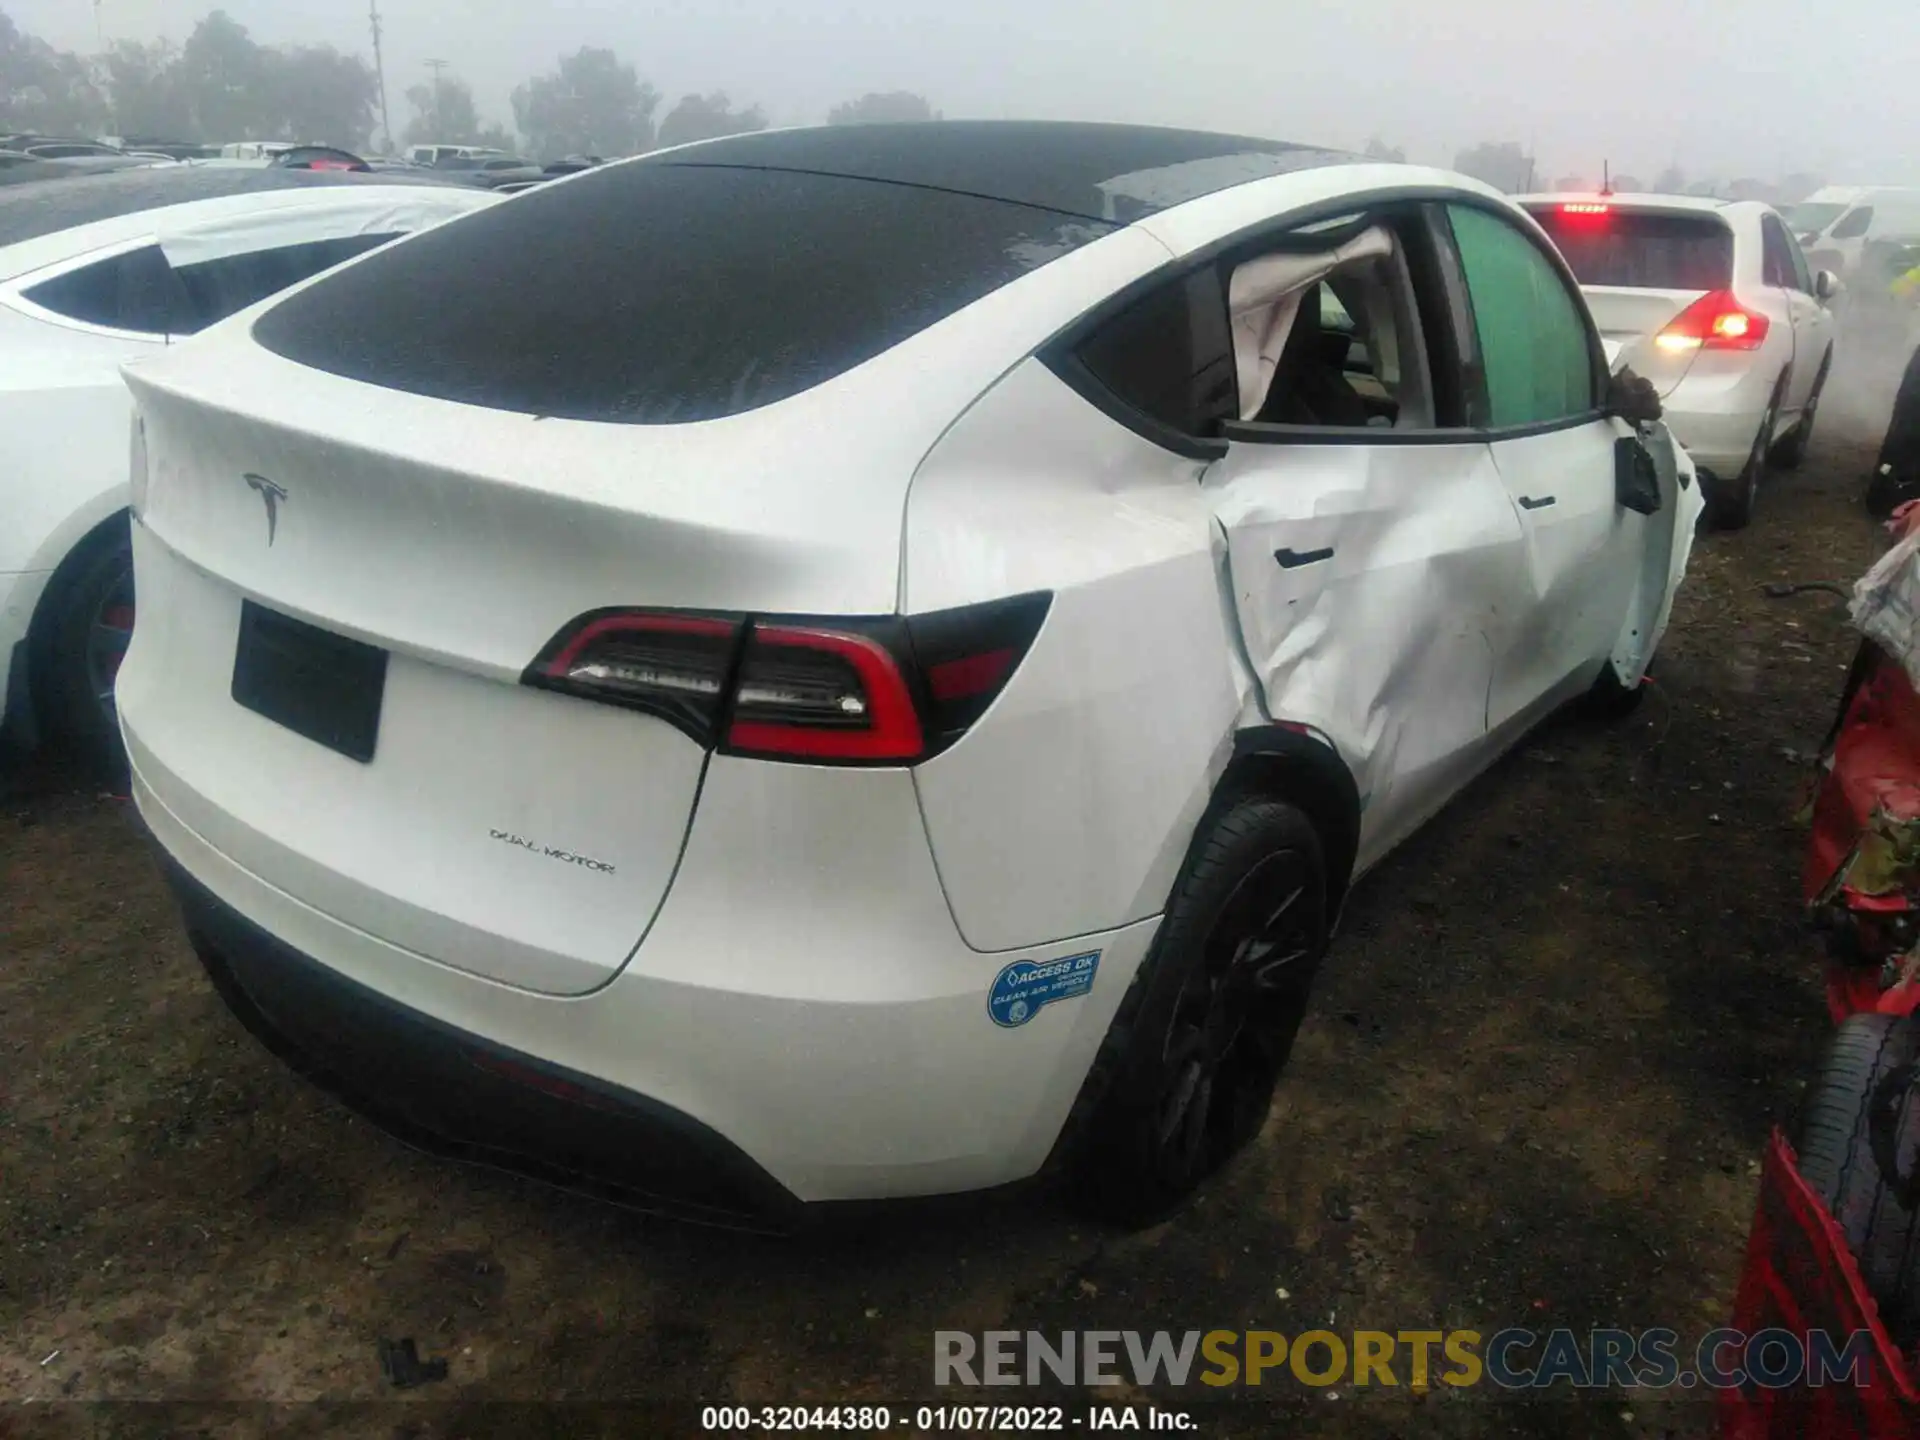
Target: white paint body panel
x=1583 y=560
x=845 y=1048
x=1669 y=544
x=1384 y=632
x=336 y=832
x=1069 y=807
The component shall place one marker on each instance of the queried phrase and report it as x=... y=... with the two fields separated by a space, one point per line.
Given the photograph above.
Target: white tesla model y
x=862 y=662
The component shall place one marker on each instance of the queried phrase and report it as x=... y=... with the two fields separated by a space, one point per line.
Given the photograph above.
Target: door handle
x=1527 y=502
x=1294 y=559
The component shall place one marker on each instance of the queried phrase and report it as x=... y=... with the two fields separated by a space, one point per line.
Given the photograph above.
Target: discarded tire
x=1859 y=1150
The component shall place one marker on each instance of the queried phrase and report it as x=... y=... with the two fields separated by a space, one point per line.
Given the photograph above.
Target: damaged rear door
x=1373 y=582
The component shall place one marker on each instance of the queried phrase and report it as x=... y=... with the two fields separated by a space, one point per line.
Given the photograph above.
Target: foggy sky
x=1729 y=88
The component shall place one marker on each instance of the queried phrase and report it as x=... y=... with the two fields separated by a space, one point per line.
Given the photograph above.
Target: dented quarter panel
x=1388 y=644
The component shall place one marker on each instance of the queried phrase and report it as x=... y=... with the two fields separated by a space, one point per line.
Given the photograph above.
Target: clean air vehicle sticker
x=1020 y=990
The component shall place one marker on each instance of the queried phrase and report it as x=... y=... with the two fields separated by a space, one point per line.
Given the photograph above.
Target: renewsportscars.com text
x=1511 y=1359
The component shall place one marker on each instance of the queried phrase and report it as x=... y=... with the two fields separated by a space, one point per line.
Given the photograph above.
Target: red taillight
x=534 y=1079
x=673 y=666
x=831 y=691
x=1584 y=207
x=822 y=694
x=973 y=675
x=1716 y=321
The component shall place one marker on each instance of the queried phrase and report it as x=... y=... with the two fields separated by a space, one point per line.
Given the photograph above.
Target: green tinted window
x=1533 y=338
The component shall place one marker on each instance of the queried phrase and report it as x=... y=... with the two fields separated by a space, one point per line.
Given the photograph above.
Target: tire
x=1608 y=699
x=86 y=622
x=1871 y=1066
x=1730 y=502
x=1885 y=494
x=1187 y=1071
x=1788 y=454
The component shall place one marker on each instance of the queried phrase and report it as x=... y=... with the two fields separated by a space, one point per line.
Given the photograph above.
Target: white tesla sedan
x=95 y=270
x=846 y=663
x=1713 y=302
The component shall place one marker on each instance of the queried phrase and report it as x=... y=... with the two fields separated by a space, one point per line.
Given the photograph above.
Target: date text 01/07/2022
x=934 y=1419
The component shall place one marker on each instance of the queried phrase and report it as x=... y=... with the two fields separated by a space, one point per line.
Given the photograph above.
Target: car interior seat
x=1309 y=385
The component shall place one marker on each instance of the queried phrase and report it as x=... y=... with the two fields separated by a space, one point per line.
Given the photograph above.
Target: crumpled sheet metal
x=1885 y=860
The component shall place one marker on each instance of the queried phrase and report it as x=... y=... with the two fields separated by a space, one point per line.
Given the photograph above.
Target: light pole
x=436 y=66
x=380 y=73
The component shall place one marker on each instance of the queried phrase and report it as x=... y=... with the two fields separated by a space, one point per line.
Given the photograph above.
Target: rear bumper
x=1716 y=417
x=458 y=1095
x=835 y=1032
x=1718 y=442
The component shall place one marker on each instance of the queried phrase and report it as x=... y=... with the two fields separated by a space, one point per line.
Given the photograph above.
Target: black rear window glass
x=133 y=291
x=219 y=288
x=1646 y=251
x=656 y=294
x=1170 y=355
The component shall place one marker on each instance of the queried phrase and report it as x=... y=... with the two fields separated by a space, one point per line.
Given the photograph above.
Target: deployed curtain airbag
x=1264 y=296
x=279 y=226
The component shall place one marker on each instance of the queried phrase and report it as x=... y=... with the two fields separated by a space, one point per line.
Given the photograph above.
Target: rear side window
x=659 y=293
x=223 y=287
x=1535 y=350
x=1776 y=257
x=136 y=290
x=1170 y=355
x=1642 y=252
x=1802 y=273
x=1856 y=224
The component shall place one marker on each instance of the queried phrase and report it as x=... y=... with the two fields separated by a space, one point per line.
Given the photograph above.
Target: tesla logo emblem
x=272 y=494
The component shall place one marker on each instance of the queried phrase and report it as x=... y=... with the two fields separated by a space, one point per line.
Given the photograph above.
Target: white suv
x=891 y=681
x=1712 y=301
x=1839 y=224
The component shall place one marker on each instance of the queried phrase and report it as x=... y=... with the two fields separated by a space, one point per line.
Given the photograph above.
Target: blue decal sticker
x=1020 y=990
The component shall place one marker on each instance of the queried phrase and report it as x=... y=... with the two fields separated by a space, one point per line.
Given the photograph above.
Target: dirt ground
x=1554 y=1034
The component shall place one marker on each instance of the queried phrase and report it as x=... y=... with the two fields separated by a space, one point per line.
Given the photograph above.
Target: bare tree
x=705 y=117
x=1503 y=165
x=894 y=105
x=444 y=113
x=590 y=104
x=45 y=89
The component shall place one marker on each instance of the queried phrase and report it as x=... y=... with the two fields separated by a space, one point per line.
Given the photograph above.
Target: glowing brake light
x=1716 y=321
x=1584 y=207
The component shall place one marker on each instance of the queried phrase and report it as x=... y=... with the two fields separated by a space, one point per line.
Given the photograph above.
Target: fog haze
x=1756 y=88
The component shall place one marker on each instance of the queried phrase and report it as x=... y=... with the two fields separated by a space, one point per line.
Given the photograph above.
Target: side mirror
x=1632 y=397
x=1636 y=481
x=1826 y=285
